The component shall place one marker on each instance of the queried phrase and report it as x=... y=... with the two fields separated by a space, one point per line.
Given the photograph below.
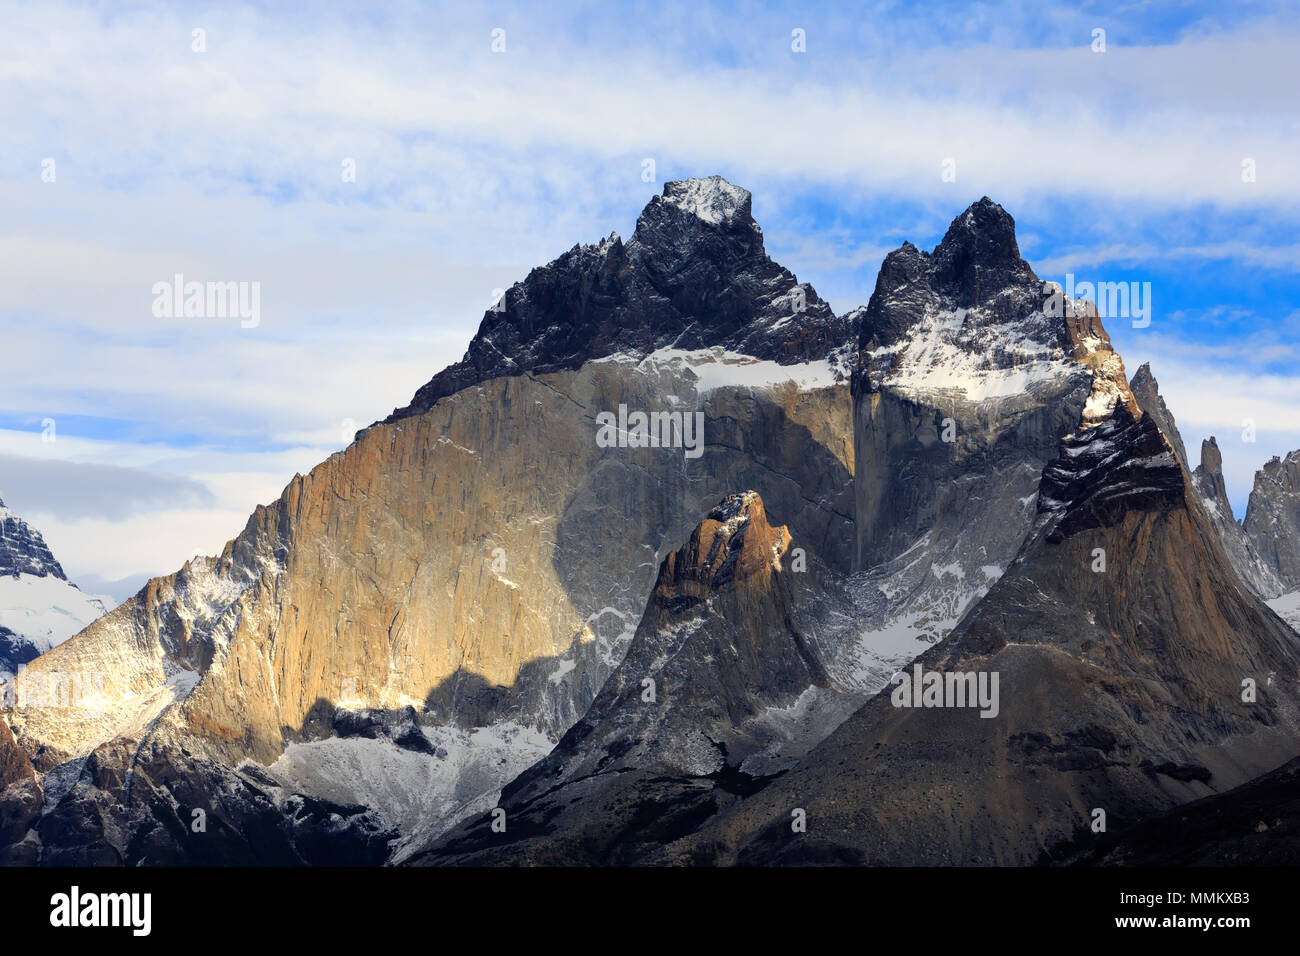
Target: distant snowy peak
x=39 y=607
x=694 y=275
x=23 y=550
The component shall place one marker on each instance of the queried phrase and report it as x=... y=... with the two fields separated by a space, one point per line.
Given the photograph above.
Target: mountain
x=713 y=678
x=1120 y=638
x=1264 y=547
x=423 y=615
x=548 y=593
x=1113 y=685
x=1272 y=527
x=1207 y=480
x=39 y=606
x=694 y=275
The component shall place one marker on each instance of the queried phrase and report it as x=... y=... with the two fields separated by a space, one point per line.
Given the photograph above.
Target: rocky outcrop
x=1256 y=824
x=1255 y=571
x=23 y=550
x=718 y=658
x=14 y=765
x=1272 y=521
x=694 y=275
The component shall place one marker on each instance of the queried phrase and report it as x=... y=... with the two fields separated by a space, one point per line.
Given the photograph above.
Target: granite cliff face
x=424 y=614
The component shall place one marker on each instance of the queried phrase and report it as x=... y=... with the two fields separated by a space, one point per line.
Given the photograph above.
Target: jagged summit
x=1146 y=391
x=1253 y=553
x=1272 y=519
x=693 y=275
x=730 y=546
x=979 y=254
x=971 y=322
x=975 y=263
x=711 y=199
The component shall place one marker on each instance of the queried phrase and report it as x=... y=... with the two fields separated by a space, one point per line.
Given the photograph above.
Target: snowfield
x=46 y=611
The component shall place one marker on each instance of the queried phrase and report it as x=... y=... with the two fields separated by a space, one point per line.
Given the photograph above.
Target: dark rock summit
x=23 y=550
x=693 y=275
x=977 y=265
x=1147 y=393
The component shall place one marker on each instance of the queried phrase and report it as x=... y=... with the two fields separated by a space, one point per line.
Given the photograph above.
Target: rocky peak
x=23 y=550
x=1242 y=553
x=979 y=255
x=1146 y=392
x=712 y=200
x=971 y=321
x=694 y=275
x=1211 y=457
x=729 y=547
x=1280 y=476
x=1272 y=521
x=683 y=723
x=1209 y=475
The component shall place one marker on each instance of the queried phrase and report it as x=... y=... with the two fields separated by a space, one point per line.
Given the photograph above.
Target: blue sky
x=474 y=166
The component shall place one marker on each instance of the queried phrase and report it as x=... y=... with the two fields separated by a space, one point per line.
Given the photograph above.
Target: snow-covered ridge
x=717 y=367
